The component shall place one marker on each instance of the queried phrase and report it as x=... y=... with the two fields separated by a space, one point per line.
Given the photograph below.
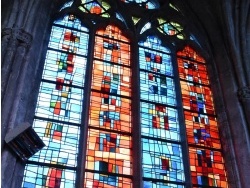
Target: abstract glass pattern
x=206 y=162
x=170 y=28
x=99 y=7
x=104 y=180
x=59 y=106
x=42 y=176
x=109 y=142
x=162 y=159
x=61 y=142
x=148 y=184
x=202 y=130
x=156 y=82
x=207 y=168
x=159 y=121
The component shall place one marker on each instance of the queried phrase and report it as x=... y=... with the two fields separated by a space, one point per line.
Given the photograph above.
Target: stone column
x=244 y=97
x=24 y=38
x=13 y=69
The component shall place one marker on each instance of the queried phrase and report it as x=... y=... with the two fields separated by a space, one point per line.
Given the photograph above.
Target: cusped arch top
x=190 y=53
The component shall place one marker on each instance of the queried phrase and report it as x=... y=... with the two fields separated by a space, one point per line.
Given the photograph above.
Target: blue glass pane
x=64 y=104
x=69 y=67
x=71 y=21
x=162 y=160
x=38 y=177
x=159 y=121
x=156 y=62
x=157 y=88
x=61 y=142
x=69 y=40
x=147 y=184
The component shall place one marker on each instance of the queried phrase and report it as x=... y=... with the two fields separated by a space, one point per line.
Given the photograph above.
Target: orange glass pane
x=190 y=53
x=193 y=71
x=201 y=130
x=197 y=98
x=207 y=168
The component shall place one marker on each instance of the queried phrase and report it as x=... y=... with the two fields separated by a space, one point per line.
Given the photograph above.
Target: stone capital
x=244 y=93
x=24 y=38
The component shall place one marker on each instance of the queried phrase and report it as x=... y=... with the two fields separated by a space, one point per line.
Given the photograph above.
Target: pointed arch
x=88 y=122
x=205 y=155
x=58 y=111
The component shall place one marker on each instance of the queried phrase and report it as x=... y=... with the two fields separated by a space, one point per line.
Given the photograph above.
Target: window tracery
x=109 y=152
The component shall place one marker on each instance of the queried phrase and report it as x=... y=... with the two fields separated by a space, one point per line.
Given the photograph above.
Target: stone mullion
x=13 y=85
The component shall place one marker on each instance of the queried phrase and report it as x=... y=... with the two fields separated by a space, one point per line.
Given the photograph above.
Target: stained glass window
x=86 y=112
x=206 y=162
x=109 y=135
x=161 y=159
x=59 y=107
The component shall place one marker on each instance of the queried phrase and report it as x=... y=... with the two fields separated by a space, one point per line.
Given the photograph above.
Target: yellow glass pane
x=135 y=20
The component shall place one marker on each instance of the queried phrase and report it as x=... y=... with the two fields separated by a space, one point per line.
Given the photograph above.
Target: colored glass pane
x=162 y=160
x=108 y=152
x=170 y=28
x=206 y=162
x=99 y=7
x=197 y=98
x=68 y=4
x=207 y=168
x=174 y=7
x=145 y=27
x=119 y=16
x=61 y=142
x=148 y=184
x=159 y=121
x=193 y=71
x=70 y=21
x=109 y=149
x=104 y=180
x=202 y=130
x=41 y=176
x=63 y=105
x=155 y=70
x=190 y=54
x=135 y=20
x=114 y=114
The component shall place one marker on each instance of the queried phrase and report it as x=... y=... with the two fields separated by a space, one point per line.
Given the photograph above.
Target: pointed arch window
x=109 y=143
x=89 y=105
x=206 y=161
